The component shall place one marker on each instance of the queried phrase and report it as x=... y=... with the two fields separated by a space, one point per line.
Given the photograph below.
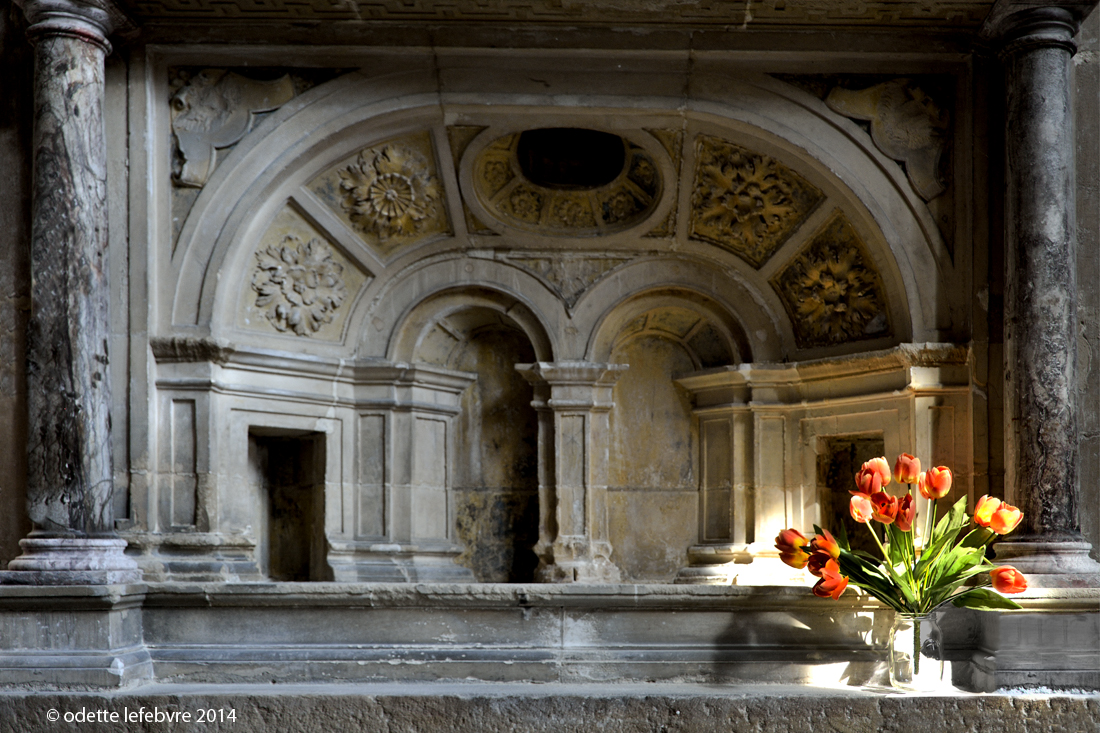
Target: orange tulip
x=906 y=469
x=907 y=512
x=885 y=507
x=984 y=508
x=861 y=509
x=1007 y=579
x=826 y=543
x=879 y=466
x=790 y=542
x=832 y=583
x=935 y=483
x=1005 y=518
x=868 y=481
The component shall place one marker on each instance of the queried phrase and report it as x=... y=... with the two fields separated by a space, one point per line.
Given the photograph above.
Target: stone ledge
x=535 y=708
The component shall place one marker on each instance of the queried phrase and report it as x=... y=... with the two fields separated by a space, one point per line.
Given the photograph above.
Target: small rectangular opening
x=839 y=458
x=291 y=468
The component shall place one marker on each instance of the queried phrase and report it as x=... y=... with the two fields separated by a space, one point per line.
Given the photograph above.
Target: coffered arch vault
x=830 y=190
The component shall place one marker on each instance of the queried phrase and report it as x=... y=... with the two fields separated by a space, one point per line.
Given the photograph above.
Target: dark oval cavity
x=570 y=157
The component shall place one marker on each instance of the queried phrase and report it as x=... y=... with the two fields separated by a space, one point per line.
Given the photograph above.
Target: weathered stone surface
x=553 y=709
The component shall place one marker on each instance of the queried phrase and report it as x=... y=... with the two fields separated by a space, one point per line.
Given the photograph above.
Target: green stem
x=916 y=647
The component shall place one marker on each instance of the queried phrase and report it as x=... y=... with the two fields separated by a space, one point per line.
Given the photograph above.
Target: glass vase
x=916 y=653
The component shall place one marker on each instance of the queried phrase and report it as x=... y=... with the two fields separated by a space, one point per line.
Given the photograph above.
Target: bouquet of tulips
x=909 y=579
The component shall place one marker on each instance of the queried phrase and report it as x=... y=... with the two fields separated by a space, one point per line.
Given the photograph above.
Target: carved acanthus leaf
x=746 y=202
x=298 y=285
x=831 y=290
x=906 y=124
x=214 y=109
x=390 y=191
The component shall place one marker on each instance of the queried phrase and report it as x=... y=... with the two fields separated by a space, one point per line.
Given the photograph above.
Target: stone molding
x=88 y=20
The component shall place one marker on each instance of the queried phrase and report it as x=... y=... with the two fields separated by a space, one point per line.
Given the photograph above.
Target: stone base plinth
x=72 y=636
x=1051 y=564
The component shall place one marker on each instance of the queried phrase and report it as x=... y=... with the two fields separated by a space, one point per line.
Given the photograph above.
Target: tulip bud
x=861 y=509
x=817 y=563
x=1005 y=518
x=907 y=512
x=984 y=508
x=880 y=467
x=935 y=483
x=885 y=507
x=906 y=469
x=1007 y=579
x=868 y=481
x=790 y=542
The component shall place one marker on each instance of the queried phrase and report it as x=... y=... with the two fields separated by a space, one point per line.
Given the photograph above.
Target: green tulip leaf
x=983 y=599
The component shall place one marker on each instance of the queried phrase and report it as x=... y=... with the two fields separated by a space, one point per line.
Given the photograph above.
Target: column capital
x=1015 y=25
x=88 y=20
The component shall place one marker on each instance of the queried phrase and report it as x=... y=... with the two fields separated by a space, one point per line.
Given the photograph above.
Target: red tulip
x=1005 y=518
x=861 y=509
x=790 y=542
x=885 y=507
x=907 y=512
x=907 y=469
x=1007 y=579
x=984 y=508
x=832 y=583
x=817 y=563
x=825 y=543
x=935 y=483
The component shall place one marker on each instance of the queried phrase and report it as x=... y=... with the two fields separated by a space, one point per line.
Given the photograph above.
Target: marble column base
x=1051 y=564
x=71 y=561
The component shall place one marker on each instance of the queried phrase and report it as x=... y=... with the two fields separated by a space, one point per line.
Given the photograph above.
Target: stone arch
x=332 y=119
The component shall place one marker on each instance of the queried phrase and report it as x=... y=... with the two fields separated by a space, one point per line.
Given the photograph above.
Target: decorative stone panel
x=746 y=202
x=389 y=194
x=297 y=282
x=569 y=275
x=517 y=202
x=831 y=290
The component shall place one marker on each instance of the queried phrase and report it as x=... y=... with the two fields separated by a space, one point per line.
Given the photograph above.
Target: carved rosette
x=390 y=193
x=745 y=202
x=299 y=286
x=515 y=201
x=831 y=290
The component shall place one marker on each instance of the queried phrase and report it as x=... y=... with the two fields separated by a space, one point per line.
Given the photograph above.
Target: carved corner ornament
x=215 y=109
x=831 y=290
x=745 y=202
x=299 y=286
x=568 y=274
x=906 y=124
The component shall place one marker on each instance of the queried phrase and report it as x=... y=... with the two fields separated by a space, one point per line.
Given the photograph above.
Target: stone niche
x=407 y=336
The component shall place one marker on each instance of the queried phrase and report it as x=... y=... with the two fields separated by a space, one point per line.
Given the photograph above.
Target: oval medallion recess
x=566 y=181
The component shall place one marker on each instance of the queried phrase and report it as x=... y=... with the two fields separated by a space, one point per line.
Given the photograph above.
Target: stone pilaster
x=69 y=477
x=573 y=400
x=1041 y=422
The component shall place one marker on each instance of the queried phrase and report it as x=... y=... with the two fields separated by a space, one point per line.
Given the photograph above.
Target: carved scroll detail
x=299 y=285
x=831 y=290
x=214 y=109
x=906 y=124
x=746 y=202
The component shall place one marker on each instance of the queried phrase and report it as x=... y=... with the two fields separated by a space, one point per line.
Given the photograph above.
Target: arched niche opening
x=654 y=477
x=494 y=467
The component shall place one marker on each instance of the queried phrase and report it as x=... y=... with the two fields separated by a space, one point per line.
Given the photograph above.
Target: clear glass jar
x=916 y=653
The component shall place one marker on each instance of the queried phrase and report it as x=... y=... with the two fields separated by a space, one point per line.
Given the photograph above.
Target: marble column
x=1041 y=422
x=573 y=400
x=69 y=477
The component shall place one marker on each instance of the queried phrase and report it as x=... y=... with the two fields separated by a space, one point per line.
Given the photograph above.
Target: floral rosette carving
x=299 y=285
x=390 y=191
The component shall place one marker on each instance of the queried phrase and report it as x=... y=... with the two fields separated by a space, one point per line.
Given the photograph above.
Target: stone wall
x=15 y=204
